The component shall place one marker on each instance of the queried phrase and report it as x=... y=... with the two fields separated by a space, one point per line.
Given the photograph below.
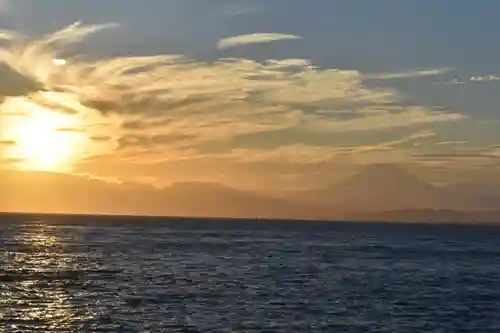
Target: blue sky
x=380 y=35
x=365 y=40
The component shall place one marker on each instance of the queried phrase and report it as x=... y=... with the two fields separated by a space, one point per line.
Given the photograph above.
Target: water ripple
x=207 y=277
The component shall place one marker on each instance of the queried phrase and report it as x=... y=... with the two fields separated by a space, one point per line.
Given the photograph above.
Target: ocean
x=111 y=274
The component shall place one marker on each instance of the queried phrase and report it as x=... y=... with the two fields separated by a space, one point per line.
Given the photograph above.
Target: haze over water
x=95 y=274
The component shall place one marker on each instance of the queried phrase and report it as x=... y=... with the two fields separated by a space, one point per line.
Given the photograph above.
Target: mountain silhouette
x=45 y=192
x=378 y=187
x=386 y=186
x=386 y=178
x=384 y=189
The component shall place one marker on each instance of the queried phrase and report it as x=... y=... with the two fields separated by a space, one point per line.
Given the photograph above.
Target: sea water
x=110 y=274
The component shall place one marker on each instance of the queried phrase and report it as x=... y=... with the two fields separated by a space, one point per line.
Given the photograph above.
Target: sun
x=44 y=139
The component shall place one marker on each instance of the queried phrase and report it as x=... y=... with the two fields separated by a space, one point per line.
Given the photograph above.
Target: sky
x=256 y=95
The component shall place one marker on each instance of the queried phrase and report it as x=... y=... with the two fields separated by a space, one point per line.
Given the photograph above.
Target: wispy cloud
x=486 y=78
x=475 y=79
x=7 y=143
x=69 y=130
x=394 y=143
x=456 y=156
x=310 y=154
x=6 y=35
x=253 y=39
x=101 y=138
x=294 y=154
x=446 y=143
x=407 y=74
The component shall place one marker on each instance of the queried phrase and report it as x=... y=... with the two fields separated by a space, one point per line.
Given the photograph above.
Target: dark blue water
x=89 y=274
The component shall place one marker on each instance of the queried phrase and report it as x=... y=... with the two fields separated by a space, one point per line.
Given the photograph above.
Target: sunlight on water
x=37 y=294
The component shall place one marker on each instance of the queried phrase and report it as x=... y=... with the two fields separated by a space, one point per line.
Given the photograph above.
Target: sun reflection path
x=33 y=295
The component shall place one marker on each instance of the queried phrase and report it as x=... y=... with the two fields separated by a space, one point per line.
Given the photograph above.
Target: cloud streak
x=475 y=79
x=407 y=75
x=235 y=41
x=7 y=143
x=486 y=78
x=394 y=143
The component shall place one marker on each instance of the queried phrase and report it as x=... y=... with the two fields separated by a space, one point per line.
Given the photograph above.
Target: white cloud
x=478 y=79
x=486 y=78
x=253 y=39
x=409 y=74
x=446 y=143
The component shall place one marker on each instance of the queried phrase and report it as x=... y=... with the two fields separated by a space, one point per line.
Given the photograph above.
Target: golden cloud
x=176 y=100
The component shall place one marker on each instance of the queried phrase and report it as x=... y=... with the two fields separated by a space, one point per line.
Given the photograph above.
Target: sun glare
x=44 y=139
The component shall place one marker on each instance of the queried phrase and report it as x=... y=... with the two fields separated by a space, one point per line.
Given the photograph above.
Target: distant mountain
x=216 y=200
x=378 y=192
x=44 y=192
x=379 y=187
x=387 y=187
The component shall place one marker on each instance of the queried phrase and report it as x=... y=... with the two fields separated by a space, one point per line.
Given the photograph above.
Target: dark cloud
x=13 y=83
x=165 y=139
x=101 y=138
x=454 y=156
x=41 y=100
x=148 y=141
x=7 y=142
x=69 y=130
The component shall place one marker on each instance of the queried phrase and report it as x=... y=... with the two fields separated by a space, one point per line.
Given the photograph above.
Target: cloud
x=149 y=141
x=393 y=143
x=7 y=143
x=476 y=79
x=407 y=75
x=101 y=138
x=6 y=35
x=69 y=130
x=13 y=83
x=294 y=154
x=384 y=120
x=456 y=156
x=170 y=107
x=486 y=78
x=253 y=39
x=445 y=143
x=310 y=154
